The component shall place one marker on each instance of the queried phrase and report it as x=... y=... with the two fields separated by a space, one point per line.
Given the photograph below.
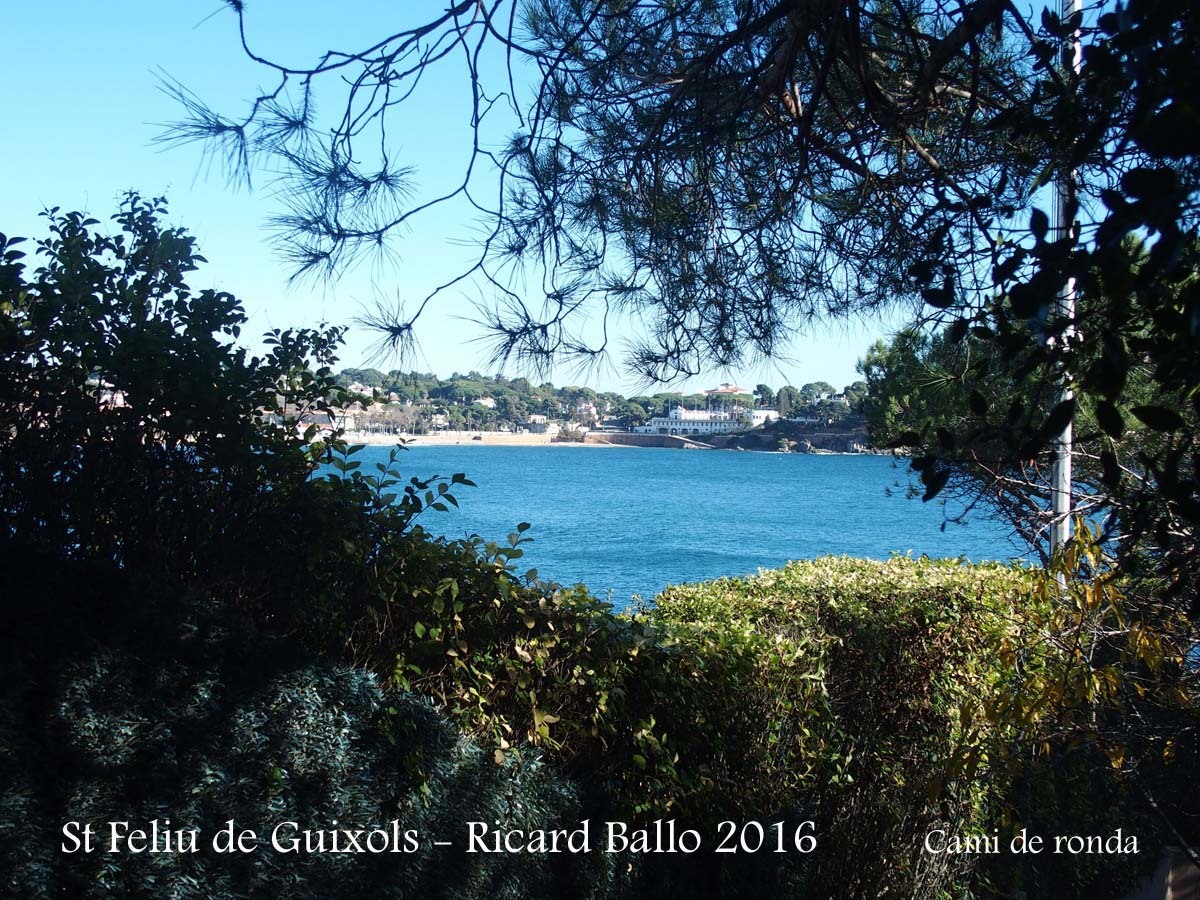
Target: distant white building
x=489 y=402
x=585 y=411
x=726 y=388
x=539 y=424
x=348 y=416
x=682 y=421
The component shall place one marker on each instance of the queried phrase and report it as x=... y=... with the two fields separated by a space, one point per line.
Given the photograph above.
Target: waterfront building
x=538 y=424
x=682 y=421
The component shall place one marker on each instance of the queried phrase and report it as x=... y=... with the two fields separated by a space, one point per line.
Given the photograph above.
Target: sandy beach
x=449 y=438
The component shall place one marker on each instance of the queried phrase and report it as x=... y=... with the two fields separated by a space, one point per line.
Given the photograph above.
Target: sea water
x=632 y=520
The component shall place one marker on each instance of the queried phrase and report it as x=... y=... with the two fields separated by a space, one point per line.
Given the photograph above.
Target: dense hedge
x=836 y=689
x=873 y=697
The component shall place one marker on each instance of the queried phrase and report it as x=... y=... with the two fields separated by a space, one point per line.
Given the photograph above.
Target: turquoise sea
x=632 y=520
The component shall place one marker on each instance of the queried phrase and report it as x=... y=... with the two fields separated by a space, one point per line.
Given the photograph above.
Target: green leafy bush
x=850 y=692
x=841 y=690
x=135 y=432
x=878 y=698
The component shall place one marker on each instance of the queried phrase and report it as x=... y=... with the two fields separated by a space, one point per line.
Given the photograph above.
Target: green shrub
x=842 y=689
x=135 y=432
x=849 y=692
x=191 y=486
x=161 y=708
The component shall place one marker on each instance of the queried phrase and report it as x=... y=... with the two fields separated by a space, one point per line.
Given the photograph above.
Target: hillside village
x=397 y=403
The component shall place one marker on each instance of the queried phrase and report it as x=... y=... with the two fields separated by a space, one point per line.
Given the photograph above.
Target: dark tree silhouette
x=722 y=171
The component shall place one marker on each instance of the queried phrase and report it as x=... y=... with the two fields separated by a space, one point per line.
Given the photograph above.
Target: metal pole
x=1064 y=308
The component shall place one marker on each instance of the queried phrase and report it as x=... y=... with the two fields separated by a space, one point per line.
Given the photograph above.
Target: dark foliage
x=1129 y=351
x=125 y=408
x=123 y=700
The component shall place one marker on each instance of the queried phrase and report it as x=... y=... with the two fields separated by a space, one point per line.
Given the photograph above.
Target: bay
x=628 y=520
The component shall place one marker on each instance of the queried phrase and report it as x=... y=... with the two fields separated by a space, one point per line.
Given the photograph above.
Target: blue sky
x=82 y=104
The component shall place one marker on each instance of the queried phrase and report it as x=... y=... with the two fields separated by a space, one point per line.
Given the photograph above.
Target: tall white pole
x=1060 y=472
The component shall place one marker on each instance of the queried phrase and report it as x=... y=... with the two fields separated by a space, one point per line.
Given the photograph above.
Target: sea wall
x=759 y=439
x=627 y=439
x=795 y=440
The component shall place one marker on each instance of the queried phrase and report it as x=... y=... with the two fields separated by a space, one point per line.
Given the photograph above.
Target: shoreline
x=458 y=438
x=508 y=439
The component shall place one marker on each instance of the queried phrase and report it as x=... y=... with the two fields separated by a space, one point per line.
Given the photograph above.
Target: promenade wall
x=628 y=439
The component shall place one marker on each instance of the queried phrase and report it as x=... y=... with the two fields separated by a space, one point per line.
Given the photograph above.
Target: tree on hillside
x=788 y=401
x=632 y=414
x=816 y=390
x=855 y=393
x=372 y=378
x=764 y=396
x=511 y=409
